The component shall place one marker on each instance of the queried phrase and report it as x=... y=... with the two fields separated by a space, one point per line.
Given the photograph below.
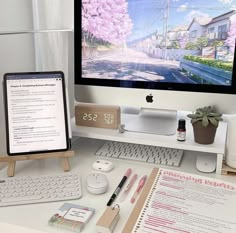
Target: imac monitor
x=156 y=54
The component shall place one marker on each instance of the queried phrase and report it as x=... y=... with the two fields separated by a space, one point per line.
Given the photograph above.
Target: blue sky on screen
x=147 y=15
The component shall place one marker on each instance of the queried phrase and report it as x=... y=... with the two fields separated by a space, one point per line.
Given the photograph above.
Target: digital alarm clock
x=100 y=116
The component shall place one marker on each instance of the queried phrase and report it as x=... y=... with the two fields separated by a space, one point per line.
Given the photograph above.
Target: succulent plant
x=206 y=115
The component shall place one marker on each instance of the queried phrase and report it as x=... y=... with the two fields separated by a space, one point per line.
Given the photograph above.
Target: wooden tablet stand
x=11 y=160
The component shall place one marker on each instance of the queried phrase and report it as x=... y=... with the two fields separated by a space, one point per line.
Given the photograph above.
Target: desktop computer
x=156 y=55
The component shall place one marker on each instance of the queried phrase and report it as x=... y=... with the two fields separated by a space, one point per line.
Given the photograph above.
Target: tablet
x=36 y=113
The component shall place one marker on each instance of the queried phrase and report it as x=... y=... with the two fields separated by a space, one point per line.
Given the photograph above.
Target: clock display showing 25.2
x=108 y=117
x=97 y=116
x=90 y=116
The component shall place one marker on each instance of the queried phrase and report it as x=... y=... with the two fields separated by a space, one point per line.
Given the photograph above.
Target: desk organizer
x=217 y=148
x=11 y=160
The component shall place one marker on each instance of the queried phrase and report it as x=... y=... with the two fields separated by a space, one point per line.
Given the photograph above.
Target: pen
x=139 y=188
x=119 y=187
x=128 y=187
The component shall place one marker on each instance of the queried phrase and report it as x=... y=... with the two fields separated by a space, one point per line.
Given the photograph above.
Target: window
x=211 y=33
x=194 y=34
x=222 y=32
x=211 y=30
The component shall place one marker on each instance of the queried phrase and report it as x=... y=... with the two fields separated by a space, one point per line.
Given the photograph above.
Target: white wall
x=16 y=51
x=15 y=15
x=195 y=27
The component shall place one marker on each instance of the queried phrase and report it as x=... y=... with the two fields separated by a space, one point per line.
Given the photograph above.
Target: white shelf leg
x=219 y=163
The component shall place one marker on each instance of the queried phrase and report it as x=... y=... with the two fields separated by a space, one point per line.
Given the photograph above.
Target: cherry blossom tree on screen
x=230 y=41
x=107 y=20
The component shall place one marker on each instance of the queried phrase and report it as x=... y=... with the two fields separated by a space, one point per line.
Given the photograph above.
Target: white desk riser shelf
x=218 y=147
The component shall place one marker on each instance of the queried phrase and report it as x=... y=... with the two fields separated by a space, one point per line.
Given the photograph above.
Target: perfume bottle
x=181 y=131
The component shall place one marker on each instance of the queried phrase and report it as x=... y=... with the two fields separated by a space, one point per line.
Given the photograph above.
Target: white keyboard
x=144 y=153
x=47 y=188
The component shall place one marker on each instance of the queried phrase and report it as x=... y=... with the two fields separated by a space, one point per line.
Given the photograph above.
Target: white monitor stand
x=152 y=121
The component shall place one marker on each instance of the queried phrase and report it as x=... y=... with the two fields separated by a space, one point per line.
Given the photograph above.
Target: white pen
x=128 y=187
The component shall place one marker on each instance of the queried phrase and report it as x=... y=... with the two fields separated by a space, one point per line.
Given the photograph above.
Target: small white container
x=96 y=183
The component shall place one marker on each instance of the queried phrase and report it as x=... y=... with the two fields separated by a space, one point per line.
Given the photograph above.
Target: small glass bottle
x=181 y=131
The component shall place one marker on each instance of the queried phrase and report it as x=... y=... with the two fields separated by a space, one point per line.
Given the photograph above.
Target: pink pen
x=128 y=187
x=139 y=188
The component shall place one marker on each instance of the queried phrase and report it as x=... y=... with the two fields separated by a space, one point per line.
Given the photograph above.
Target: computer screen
x=165 y=54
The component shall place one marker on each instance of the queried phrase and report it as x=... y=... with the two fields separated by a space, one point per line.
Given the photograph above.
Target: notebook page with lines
x=187 y=203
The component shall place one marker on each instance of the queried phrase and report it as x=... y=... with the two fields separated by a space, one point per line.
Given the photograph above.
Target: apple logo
x=149 y=98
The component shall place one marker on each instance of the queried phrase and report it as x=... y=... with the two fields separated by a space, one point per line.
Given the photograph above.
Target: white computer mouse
x=102 y=165
x=96 y=183
x=206 y=163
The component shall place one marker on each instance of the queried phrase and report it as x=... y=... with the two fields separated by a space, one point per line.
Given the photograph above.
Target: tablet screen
x=35 y=112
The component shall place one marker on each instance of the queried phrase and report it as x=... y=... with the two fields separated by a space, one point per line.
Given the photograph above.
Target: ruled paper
x=184 y=203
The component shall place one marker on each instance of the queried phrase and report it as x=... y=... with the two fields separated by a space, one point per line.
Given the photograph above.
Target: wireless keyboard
x=144 y=153
x=29 y=190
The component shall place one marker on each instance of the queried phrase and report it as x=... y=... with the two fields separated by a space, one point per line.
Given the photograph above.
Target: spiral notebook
x=174 y=201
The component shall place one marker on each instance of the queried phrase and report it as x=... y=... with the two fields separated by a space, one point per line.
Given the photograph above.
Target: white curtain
x=51 y=48
x=52 y=51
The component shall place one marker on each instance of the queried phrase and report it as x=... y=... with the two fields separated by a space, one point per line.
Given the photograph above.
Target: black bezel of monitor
x=79 y=80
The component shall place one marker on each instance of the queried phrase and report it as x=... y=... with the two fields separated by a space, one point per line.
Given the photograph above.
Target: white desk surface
x=36 y=216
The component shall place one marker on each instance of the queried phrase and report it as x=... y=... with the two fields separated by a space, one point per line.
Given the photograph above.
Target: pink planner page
x=184 y=203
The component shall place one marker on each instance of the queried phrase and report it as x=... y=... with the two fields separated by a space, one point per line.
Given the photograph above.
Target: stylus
x=119 y=187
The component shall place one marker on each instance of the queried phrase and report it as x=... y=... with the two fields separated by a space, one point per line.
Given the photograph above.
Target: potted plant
x=205 y=122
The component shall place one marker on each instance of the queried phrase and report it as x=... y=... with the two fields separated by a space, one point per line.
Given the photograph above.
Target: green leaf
x=205 y=121
x=195 y=120
x=219 y=118
x=214 y=114
x=206 y=115
x=192 y=116
x=214 y=122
